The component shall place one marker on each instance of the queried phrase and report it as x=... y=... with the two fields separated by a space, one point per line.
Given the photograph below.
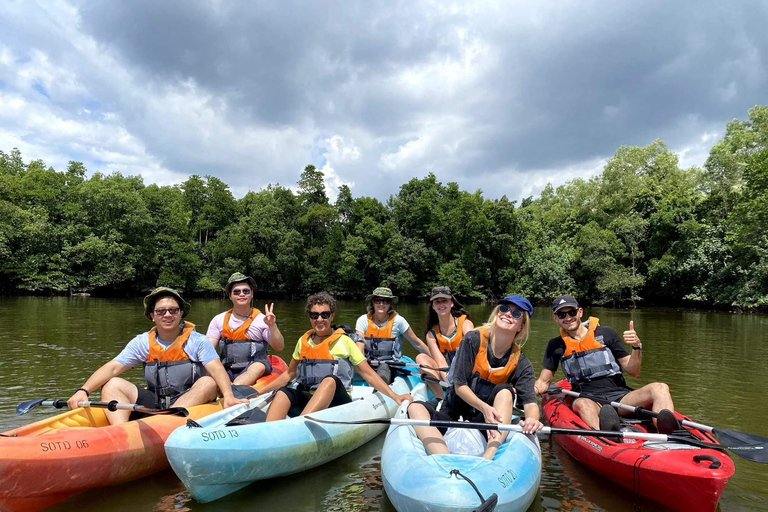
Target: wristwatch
x=639 y=346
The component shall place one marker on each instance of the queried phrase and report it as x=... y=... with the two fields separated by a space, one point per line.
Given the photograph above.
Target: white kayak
x=416 y=481
x=213 y=459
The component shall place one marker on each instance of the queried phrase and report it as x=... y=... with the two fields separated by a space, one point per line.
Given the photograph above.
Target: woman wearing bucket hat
x=383 y=330
x=181 y=367
x=447 y=323
x=244 y=333
x=489 y=371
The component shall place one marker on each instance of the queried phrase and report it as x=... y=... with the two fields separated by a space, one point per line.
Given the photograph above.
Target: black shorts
x=301 y=396
x=610 y=396
x=147 y=399
x=233 y=374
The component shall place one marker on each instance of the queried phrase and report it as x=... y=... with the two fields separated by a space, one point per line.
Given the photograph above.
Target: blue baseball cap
x=519 y=301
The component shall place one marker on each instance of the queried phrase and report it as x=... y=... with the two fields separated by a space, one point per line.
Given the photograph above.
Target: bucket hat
x=239 y=277
x=384 y=293
x=162 y=291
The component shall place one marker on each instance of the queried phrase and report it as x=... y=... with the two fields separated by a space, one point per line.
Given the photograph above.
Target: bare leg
x=322 y=397
x=655 y=394
x=250 y=375
x=430 y=436
x=122 y=391
x=279 y=407
x=502 y=403
x=589 y=411
x=204 y=390
x=436 y=389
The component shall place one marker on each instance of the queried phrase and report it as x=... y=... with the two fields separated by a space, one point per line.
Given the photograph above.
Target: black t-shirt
x=522 y=377
x=609 y=338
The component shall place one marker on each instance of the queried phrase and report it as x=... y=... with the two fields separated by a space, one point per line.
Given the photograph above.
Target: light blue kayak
x=214 y=460
x=415 y=481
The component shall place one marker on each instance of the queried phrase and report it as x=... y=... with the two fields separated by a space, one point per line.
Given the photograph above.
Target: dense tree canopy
x=644 y=230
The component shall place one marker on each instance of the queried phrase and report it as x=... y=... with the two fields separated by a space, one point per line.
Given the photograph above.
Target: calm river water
x=714 y=363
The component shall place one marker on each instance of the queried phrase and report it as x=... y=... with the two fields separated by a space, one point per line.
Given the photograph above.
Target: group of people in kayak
x=488 y=376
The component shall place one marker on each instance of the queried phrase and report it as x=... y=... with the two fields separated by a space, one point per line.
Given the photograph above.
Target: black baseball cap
x=564 y=301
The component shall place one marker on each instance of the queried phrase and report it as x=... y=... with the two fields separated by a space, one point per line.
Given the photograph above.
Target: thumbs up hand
x=630 y=336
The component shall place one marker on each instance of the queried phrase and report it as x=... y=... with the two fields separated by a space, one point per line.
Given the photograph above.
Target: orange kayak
x=50 y=460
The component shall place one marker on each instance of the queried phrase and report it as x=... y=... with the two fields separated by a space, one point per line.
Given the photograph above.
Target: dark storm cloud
x=470 y=91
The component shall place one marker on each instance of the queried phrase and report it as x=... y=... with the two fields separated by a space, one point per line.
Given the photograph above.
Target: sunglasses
x=163 y=311
x=241 y=291
x=506 y=308
x=382 y=301
x=441 y=289
x=571 y=313
x=314 y=315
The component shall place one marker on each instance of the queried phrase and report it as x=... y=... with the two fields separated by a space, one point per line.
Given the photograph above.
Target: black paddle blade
x=176 y=411
x=747 y=446
x=25 y=407
x=489 y=504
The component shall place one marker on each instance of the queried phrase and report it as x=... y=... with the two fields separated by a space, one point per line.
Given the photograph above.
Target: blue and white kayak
x=213 y=459
x=416 y=481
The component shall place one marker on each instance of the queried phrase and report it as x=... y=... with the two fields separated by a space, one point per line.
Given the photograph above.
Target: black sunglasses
x=441 y=289
x=571 y=313
x=506 y=308
x=243 y=291
x=314 y=315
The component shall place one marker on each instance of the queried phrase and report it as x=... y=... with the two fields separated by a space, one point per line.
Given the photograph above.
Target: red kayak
x=680 y=476
x=50 y=460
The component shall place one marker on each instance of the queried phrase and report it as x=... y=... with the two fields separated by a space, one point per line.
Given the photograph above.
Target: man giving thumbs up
x=593 y=360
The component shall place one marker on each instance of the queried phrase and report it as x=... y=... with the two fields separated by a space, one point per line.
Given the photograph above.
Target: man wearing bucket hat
x=593 y=360
x=244 y=333
x=181 y=366
x=383 y=330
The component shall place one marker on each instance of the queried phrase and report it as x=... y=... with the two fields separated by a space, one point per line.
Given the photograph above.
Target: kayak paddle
x=749 y=446
x=25 y=407
x=756 y=453
x=414 y=365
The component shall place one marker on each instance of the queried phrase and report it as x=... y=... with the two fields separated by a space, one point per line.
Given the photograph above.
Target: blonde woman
x=490 y=369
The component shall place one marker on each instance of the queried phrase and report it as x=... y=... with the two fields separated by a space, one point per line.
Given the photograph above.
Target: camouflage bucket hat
x=384 y=293
x=239 y=277
x=158 y=293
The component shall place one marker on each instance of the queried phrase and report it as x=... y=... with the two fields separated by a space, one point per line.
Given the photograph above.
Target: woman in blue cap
x=490 y=370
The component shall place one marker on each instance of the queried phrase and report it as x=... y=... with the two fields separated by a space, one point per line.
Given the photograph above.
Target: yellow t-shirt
x=343 y=348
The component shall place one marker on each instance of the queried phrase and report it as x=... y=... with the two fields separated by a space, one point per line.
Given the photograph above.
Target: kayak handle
x=711 y=458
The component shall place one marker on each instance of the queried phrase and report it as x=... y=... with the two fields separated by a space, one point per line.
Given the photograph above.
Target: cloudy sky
x=501 y=96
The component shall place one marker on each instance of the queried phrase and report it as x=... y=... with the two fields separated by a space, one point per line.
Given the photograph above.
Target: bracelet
x=87 y=393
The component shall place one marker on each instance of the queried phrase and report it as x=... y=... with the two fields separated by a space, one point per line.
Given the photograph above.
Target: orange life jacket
x=380 y=345
x=168 y=371
x=585 y=343
x=316 y=362
x=587 y=359
x=496 y=375
x=450 y=344
x=241 y=333
x=175 y=351
x=237 y=351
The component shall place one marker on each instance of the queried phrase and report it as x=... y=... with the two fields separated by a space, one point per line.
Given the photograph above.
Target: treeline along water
x=714 y=363
x=644 y=229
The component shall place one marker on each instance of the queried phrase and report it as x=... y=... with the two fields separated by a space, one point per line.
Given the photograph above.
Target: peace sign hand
x=269 y=316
